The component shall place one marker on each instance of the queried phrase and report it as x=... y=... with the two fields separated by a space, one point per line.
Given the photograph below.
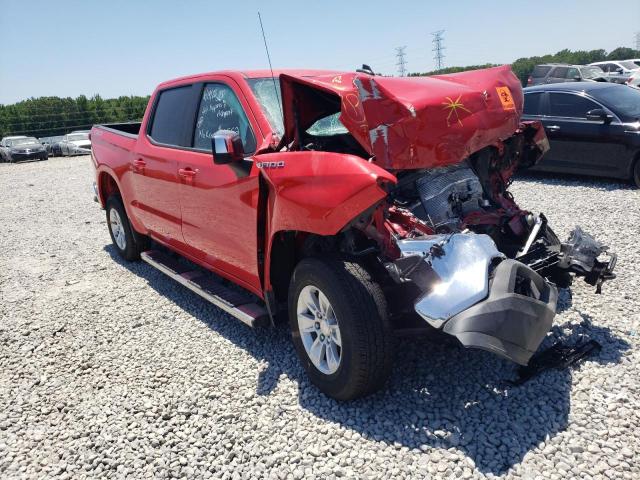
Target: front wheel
x=339 y=325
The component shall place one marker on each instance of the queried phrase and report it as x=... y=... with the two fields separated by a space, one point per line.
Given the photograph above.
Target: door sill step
x=236 y=304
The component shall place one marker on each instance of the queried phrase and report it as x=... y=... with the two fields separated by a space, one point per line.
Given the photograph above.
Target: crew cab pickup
x=359 y=206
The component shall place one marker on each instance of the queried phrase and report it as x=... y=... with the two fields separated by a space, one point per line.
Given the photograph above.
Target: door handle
x=187 y=173
x=138 y=165
x=553 y=128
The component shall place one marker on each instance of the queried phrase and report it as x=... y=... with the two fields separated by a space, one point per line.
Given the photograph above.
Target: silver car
x=75 y=143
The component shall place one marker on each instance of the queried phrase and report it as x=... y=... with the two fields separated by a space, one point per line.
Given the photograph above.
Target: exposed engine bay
x=486 y=271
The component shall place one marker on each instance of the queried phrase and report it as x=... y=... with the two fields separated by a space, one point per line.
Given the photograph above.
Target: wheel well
x=289 y=247
x=284 y=258
x=107 y=186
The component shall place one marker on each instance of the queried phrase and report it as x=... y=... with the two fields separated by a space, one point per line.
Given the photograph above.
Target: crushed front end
x=449 y=238
x=482 y=269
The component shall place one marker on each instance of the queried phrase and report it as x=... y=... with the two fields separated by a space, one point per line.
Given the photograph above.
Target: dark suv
x=562 y=72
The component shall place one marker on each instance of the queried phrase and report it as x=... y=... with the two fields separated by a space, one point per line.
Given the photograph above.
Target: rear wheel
x=338 y=320
x=128 y=244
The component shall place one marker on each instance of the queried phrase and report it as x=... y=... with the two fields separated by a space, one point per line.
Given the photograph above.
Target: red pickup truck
x=364 y=206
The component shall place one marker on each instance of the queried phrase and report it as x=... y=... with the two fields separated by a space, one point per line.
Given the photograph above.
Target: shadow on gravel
x=569 y=180
x=440 y=395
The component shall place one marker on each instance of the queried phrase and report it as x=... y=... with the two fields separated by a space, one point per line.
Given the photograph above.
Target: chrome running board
x=236 y=304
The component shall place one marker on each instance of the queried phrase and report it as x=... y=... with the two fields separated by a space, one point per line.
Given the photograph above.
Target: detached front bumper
x=515 y=317
x=471 y=291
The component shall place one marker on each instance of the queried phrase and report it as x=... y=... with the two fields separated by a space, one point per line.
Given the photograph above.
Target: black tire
x=635 y=177
x=361 y=311
x=134 y=243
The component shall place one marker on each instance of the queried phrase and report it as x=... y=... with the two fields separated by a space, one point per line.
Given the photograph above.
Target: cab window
x=168 y=116
x=220 y=109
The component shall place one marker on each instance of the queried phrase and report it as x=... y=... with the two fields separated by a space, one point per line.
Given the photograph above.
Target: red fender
x=317 y=192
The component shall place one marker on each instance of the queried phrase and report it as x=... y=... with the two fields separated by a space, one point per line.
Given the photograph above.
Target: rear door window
x=533 y=103
x=220 y=109
x=572 y=73
x=560 y=72
x=169 y=117
x=540 y=71
x=569 y=105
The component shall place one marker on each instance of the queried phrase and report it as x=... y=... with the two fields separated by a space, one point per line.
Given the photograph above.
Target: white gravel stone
x=110 y=369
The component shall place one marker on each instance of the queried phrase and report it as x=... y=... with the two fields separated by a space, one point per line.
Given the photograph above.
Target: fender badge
x=278 y=164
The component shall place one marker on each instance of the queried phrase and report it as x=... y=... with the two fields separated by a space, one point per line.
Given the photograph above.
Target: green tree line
x=523 y=67
x=50 y=116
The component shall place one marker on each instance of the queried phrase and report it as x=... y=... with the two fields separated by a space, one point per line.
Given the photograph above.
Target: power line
x=80 y=113
x=109 y=103
x=87 y=118
x=62 y=127
x=400 y=54
x=438 y=48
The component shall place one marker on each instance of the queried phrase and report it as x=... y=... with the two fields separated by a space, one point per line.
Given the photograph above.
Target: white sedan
x=75 y=143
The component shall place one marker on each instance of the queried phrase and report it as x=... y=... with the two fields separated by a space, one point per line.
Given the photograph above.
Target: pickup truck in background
x=358 y=206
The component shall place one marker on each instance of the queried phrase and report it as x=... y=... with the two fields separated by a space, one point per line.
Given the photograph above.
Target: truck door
x=155 y=164
x=219 y=202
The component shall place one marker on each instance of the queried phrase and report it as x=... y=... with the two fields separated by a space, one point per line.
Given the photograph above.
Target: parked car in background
x=592 y=128
x=15 y=149
x=75 y=143
x=562 y=72
x=634 y=80
x=634 y=60
x=617 y=71
x=47 y=142
x=56 y=150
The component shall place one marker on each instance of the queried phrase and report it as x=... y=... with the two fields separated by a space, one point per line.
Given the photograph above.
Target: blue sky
x=114 y=47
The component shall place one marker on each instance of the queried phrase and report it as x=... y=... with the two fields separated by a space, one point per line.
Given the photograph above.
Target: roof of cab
x=252 y=74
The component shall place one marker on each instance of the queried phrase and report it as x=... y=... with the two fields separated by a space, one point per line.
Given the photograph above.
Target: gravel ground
x=109 y=369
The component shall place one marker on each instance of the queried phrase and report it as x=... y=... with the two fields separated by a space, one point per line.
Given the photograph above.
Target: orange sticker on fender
x=504 y=94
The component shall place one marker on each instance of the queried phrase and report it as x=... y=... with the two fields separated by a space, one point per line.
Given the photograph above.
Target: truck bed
x=129 y=128
x=113 y=144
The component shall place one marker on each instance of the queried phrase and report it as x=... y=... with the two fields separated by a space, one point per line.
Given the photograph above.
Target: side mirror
x=577 y=78
x=226 y=146
x=599 y=115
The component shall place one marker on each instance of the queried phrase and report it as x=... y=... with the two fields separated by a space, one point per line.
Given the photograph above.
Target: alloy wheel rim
x=117 y=229
x=319 y=330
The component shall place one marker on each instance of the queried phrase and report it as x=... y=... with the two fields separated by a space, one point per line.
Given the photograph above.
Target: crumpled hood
x=408 y=123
